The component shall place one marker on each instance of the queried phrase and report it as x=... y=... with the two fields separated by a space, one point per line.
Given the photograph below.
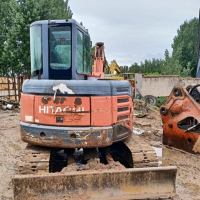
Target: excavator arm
x=99 y=60
x=115 y=67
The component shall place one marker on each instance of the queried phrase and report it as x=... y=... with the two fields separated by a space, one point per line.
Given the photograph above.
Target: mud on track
x=188 y=184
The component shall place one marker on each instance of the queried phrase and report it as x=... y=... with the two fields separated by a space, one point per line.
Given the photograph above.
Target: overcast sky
x=133 y=30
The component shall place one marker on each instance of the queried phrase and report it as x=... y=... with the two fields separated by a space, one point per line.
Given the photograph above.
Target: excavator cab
x=62 y=112
x=60 y=50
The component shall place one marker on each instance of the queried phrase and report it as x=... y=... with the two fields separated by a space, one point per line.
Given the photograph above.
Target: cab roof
x=59 y=21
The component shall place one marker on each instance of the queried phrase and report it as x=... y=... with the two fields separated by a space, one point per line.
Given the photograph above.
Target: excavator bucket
x=134 y=183
x=181 y=119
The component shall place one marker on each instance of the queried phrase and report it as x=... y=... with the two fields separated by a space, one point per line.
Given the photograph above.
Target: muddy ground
x=150 y=129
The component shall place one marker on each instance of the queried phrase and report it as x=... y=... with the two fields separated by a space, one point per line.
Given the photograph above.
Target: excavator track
x=134 y=153
x=34 y=159
x=143 y=154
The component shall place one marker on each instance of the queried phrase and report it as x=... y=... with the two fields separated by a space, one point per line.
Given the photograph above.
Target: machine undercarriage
x=142 y=179
x=132 y=153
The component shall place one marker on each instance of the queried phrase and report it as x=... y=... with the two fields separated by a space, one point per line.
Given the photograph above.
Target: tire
x=150 y=100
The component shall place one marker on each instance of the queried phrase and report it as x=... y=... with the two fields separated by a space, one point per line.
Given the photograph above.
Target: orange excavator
x=68 y=111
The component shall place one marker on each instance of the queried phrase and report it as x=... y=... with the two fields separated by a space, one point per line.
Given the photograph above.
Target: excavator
x=181 y=115
x=114 y=67
x=65 y=109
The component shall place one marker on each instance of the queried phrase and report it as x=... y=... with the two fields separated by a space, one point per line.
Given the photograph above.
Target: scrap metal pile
x=7 y=104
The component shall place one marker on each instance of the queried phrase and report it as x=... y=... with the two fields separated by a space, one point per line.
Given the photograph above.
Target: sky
x=134 y=30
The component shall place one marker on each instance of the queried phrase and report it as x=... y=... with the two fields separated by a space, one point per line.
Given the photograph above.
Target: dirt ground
x=188 y=177
x=10 y=145
x=150 y=129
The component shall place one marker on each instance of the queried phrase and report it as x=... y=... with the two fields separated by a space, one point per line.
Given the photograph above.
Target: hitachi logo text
x=55 y=109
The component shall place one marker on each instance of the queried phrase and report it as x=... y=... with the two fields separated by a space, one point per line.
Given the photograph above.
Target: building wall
x=162 y=85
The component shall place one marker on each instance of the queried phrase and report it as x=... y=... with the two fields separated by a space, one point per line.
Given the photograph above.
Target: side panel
x=123 y=110
x=27 y=108
x=65 y=111
x=101 y=114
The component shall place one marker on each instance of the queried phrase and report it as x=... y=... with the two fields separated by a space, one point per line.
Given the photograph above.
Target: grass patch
x=161 y=100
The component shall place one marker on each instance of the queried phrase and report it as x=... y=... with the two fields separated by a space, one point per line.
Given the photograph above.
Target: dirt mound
x=94 y=164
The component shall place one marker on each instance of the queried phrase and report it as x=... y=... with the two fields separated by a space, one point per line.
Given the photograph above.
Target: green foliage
x=124 y=69
x=92 y=54
x=161 y=100
x=16 y=17
x=148 y=66
x=153 y=74
x=185 y=46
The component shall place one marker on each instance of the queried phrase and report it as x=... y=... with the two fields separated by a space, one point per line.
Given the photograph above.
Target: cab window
x=60 y=47
x=83 y=53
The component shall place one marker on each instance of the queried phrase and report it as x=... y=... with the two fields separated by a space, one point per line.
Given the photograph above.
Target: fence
x=11 y=87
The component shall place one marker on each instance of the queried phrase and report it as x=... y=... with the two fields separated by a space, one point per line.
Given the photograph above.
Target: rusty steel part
x=67 y=137
x=135 y=153
x=181 y=116
x=120 y=184
x=34 y=159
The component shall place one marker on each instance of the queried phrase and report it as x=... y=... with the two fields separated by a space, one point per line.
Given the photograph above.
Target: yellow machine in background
x=131 y=78
x=109 y=71
x=114 y=67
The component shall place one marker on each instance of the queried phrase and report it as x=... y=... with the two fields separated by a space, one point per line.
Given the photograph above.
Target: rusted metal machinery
x=62 y=111
x=180 y=116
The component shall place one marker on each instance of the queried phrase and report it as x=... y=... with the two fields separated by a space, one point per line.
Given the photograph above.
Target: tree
x=185 y=46
x=17 y=17
x=124 y=69
x=92 y=55
x=8 y=39
x=154 y=66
